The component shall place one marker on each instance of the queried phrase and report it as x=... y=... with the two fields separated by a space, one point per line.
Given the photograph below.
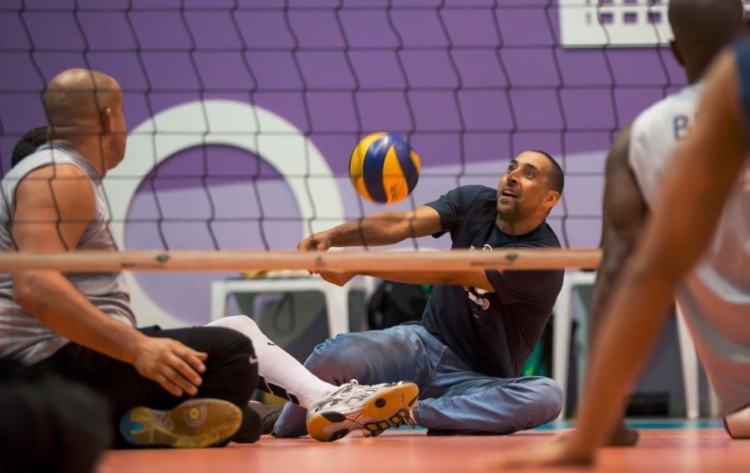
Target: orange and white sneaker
x=354 y=406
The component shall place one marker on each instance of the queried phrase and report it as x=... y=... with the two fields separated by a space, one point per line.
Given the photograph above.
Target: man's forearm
x=613 y=260
x=382 y=228
x=66 y=311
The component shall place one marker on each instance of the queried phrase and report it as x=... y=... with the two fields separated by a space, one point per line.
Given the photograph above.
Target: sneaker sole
x=385 y=409
x=196 y=423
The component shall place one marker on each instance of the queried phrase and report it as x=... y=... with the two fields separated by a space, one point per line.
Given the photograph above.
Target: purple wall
x=470 y=83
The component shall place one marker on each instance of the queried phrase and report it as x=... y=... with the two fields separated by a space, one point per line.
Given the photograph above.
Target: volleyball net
x=243 y=113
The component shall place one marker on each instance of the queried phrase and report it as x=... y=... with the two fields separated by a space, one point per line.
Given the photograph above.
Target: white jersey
x=715 y=298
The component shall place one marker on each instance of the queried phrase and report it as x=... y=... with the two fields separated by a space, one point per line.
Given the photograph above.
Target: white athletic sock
x=283 y=375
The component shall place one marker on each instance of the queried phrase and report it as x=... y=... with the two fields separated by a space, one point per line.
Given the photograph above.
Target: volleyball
x=384 y=168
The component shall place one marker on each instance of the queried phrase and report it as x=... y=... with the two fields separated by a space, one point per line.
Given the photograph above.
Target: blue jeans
x=452 y=396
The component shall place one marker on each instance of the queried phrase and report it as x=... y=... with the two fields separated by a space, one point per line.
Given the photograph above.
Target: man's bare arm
x=385 y=228
x=697 y=183
x=54 y=205
x=684 y=216
x=382 y=228
x=624 y=215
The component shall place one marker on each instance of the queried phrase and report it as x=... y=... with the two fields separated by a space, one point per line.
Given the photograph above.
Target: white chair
x=561 y=344
x=336 y=298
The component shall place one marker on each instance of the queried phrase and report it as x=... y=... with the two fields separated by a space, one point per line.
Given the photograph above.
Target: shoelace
x=345 y=393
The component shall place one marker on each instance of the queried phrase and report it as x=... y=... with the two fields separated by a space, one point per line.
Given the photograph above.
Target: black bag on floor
x=394 y=303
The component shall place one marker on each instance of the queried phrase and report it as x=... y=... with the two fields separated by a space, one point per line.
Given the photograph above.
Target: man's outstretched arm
x=624 y=215
x=385 y=228
x=382 y=228
x=696 y=185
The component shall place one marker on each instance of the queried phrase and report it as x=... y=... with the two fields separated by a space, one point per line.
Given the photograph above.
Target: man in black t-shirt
x=479 y=326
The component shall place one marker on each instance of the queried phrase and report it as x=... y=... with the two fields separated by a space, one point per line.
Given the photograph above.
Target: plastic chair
x=336 y=298
x=561 y=344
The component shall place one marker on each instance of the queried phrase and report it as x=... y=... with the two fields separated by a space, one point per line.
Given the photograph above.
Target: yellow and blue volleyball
x=384 y=168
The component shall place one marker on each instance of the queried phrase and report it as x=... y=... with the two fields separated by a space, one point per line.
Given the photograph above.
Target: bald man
x=697 y=244
x=636 y=161
x=81 y=325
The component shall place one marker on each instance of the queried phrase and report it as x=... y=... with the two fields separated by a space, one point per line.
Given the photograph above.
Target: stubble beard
x=512 y=215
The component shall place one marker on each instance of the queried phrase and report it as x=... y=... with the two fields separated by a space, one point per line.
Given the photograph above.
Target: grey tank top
x=23 y=336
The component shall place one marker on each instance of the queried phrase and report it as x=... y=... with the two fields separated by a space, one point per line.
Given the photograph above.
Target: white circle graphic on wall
x=228 y=123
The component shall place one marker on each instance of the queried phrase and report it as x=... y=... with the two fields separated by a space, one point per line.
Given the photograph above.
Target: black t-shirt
x=493 y=332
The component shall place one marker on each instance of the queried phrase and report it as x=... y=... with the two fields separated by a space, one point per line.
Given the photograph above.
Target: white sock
x=283 y=375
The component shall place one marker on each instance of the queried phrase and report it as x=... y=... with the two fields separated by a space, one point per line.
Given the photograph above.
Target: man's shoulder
x=682 y=102
x=39 y=170
x=61 y=171
x=543 y=237
x=475 y=193
x=475 y=189
x=44 y=162
x=466 y=198
x=38 y=177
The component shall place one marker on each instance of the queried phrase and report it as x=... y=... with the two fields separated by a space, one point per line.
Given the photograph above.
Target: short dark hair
x=556 y=176
x=28 y=143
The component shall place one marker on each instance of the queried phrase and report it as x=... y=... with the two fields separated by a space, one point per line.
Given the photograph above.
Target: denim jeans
x=453 y=397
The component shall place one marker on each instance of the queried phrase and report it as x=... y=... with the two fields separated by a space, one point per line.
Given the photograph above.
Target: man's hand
x=317 y=242
x=171 y=364
x=560 y=451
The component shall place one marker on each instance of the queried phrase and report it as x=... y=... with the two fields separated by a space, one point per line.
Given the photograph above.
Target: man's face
x=522 y=191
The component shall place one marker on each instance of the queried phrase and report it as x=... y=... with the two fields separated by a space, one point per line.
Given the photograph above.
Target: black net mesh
x=469 y=83
x=242 y=113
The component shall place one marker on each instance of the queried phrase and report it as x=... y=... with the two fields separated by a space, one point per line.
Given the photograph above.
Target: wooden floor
x=663 y=451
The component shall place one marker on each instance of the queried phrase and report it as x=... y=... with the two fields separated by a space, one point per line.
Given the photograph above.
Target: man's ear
x=551 y=199
x=106 y=120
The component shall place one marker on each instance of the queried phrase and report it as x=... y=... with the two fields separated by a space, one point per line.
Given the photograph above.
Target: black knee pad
x=228 y=341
